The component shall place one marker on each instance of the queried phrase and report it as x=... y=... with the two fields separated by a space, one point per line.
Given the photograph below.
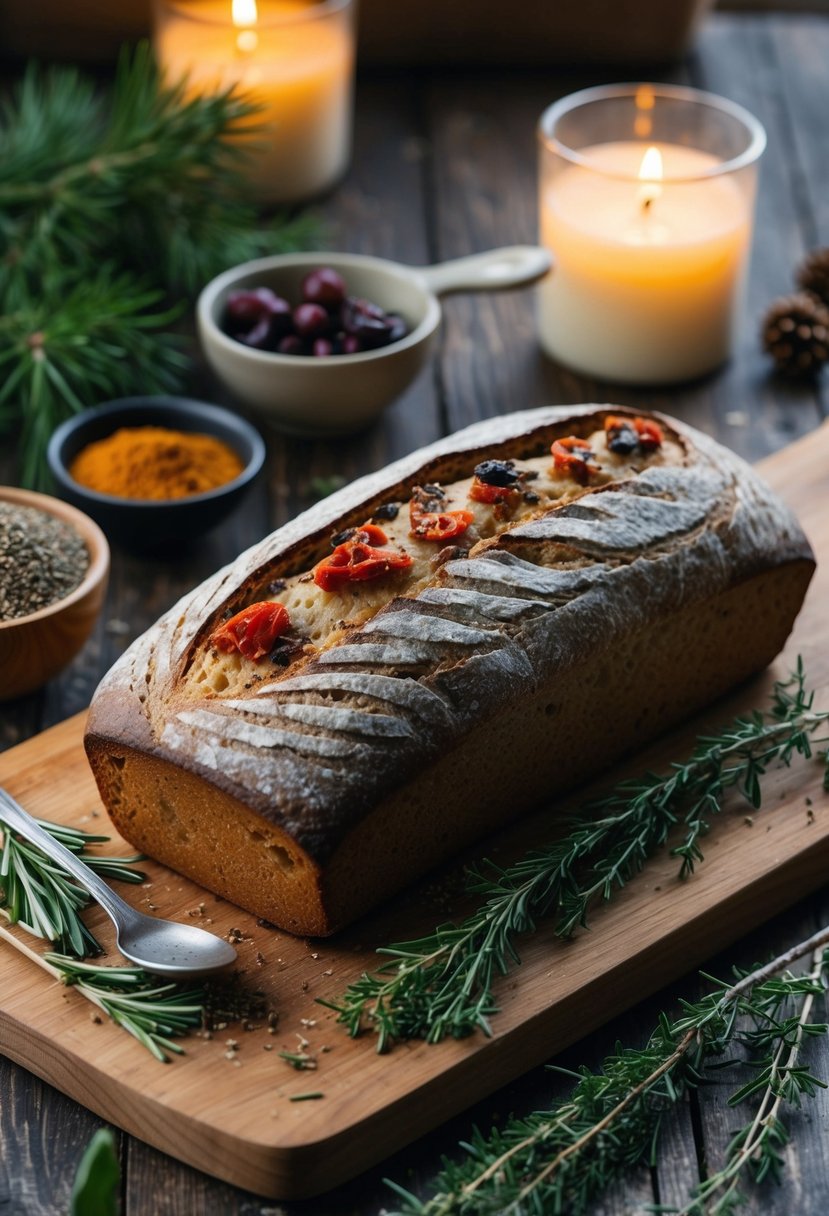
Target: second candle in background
x=295 y=58
x=646 y=202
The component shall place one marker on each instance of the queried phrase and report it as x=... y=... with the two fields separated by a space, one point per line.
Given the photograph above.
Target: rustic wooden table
x=445 y=165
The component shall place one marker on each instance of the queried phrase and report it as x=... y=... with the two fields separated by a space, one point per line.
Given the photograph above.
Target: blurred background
x=608 y=31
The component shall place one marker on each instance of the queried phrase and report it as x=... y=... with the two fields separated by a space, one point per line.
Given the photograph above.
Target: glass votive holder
x=294 y=58
x=646 y=202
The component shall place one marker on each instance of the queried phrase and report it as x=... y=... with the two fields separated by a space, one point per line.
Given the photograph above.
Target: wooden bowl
x=35 y=648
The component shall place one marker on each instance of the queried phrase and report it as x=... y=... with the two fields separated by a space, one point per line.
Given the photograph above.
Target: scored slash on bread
x=439 y=702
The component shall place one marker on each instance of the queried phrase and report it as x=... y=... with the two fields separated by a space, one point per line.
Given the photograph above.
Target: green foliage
x=298 y=1059
x=560 y=1160
x=443 y=984
x=98 y=1178
x=40 y=896
x=321 y=487
x=37 y=894
x=153 y=1014
x=99 y=340
x=111 y=205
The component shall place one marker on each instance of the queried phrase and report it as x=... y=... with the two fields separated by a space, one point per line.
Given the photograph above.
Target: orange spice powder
x=151 y=462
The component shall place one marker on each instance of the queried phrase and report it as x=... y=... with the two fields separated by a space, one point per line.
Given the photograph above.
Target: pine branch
x=562 y=1159
x=37 y=894
x=109 y=207
x=147 y=172
x=443 y=984
x=99 y=340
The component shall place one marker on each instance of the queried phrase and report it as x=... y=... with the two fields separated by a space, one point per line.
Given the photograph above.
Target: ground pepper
x=42 y=560
x=152 y=462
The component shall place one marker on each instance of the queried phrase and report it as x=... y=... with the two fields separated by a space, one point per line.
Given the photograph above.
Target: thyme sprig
x=442 y=984
x=561 y=1159
x=37 y=894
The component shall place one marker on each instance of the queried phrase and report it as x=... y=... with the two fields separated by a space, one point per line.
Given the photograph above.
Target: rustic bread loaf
x=589 y=598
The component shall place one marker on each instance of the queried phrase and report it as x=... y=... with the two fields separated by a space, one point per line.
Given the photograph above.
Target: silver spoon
x=163 y=947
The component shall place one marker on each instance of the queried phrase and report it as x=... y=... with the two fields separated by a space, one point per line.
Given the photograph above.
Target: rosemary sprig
x=43 y=899
x=757 y=1147
x=560 y=1160
x=300 y=1060
x=443 y=984
x=154 y=1014
x=40 y=897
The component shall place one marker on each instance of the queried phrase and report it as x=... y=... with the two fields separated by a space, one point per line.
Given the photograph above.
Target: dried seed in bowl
x=42 y=560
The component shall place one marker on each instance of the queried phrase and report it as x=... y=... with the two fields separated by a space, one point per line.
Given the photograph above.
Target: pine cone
x=796 y=334
x=813 y=273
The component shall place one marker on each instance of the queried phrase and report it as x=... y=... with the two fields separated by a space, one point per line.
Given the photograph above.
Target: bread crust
x=363 y=728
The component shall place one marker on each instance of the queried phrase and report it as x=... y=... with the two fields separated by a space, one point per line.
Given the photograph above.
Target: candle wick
x=647 y=203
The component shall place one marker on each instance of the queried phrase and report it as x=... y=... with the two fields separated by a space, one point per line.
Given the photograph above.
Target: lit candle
x=651 y=242
x=294 y=58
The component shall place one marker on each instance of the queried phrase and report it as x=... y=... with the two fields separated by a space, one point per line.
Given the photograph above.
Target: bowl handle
x=513 y=266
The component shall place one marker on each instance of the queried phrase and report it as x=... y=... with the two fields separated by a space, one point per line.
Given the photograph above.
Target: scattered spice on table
x=229 y=999
x=153 y=462
x=42 y=560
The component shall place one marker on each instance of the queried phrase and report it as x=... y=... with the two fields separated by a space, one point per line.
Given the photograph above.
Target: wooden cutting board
x=233 y=1117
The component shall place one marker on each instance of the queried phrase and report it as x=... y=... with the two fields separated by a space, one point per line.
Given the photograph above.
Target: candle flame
x=650 y=174
x=651 y=168
x=244 y=14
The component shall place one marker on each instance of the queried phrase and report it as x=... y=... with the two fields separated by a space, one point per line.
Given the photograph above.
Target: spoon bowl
x=337 y=394
x=177 y=952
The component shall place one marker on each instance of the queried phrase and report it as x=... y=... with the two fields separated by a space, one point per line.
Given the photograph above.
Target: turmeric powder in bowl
x=154 y=462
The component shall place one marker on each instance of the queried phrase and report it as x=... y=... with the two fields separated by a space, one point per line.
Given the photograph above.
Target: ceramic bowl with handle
x=335 y=394
x=36 y=647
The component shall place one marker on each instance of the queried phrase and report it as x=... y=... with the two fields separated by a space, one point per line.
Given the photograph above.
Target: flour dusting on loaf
x=606 y=572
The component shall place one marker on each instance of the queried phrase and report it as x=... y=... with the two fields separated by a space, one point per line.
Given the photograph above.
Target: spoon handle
x=13 y=816
x=512 y=266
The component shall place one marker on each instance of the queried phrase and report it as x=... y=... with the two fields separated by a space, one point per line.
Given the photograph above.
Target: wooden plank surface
x=234 y=1117
x=404 y=197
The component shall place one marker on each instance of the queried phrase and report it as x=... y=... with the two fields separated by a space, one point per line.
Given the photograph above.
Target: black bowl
x=147 y=524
